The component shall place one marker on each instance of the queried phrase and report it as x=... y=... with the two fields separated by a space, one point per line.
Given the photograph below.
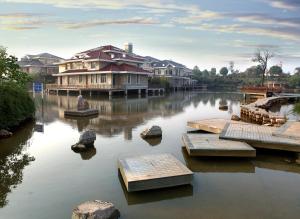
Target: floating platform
x=211 y=125
x=259 y=136
x=209 y=145
x=81 y=113
x=289 y=130
x=153 y=172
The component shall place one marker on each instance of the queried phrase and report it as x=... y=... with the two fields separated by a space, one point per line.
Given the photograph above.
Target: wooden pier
x=153 y=172
x=259 y=136
x=210 y=145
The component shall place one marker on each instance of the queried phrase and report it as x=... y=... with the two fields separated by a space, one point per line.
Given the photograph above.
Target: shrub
x=15 y=105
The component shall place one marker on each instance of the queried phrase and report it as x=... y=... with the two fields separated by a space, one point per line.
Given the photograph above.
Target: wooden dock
x=259 y=136
x=289 y=130
x=211 y=125
x=210 y=145
x=153 y=172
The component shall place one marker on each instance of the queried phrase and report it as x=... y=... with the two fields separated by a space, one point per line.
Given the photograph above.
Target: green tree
x=205 y=73
x=196 y=72
x=10 y=70
x=224 y=71
x=275 y=70
x=262 y=56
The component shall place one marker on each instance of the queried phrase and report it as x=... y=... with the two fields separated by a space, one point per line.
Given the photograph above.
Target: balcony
x=94 y=87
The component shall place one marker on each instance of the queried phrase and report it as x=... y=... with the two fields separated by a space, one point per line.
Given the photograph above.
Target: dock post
x=146 y=92
x=139 y=92
x=90 y=93
x=79 y=92
x=110 y=93
x=57 y=92
x=68 y=92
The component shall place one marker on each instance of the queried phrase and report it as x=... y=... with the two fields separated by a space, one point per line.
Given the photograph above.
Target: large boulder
x=82 y=104
x=95 y=210
x=5 y=134
x=154 y=131
x=87 y=138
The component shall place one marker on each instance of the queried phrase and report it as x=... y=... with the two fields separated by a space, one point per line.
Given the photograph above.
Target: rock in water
x=79 y=147
x=82 y=104
x=223 y=107
x=87 y=138
x=235 y=118
x=5 y=134
x=95 y=210
x=154 y=131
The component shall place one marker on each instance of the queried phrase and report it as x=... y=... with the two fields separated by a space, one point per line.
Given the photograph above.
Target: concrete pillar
x=90 y=93
x=57 y=92
x=126 y=92
x=68 y=92
x=139 y=92
x=110 y=93
x=146 y=92
x=79 y=92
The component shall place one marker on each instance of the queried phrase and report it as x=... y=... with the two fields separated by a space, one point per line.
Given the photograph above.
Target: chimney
x=128 y=47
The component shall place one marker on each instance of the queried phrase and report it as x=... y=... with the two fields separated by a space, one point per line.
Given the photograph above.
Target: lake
x=41 y=177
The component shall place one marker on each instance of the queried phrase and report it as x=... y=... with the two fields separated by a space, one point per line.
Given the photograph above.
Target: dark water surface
x=42 y=178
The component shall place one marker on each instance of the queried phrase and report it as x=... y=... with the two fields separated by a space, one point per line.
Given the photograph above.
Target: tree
x=224 y=71
x=213 y=72
x=297 y=71
x=10 y=70
x=262 y=56
x=196 y=72
x=205 y=73
x=275 y=70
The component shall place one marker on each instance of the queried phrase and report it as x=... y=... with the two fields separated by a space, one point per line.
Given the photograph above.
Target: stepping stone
x=210 y=125
x=259 y=136
x=210 y=145
x=153 y=172
x=289 y=130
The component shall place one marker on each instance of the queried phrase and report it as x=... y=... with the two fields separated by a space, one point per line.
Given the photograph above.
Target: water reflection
x=123 y=115
x=156 y=195
x=153 y=141
x=221 y=165
x=13 y=159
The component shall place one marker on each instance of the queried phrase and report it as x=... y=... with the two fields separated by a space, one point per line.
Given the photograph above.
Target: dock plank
x=289 y=130
x=153 y=172
x=259 y=136
x=211 y=145
x=211 y=125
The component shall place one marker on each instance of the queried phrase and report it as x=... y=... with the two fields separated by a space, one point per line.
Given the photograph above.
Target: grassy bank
x=16 y=106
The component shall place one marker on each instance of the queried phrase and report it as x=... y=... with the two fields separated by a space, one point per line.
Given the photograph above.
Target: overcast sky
x=207 y=33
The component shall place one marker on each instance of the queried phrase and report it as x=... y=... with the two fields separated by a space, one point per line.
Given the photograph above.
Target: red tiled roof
x=98 y=54
x=123 y=67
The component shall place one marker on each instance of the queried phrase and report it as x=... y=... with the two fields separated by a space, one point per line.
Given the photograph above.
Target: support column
x=139 y=92
x=126 y=92
x=110 y=93
x=79 y=92
x=90 y=93
x=68 y=92
x=57 y=92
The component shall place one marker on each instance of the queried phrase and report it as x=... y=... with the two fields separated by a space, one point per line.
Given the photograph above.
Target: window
x=103 y=78
x=128 y=79
x=93 y=65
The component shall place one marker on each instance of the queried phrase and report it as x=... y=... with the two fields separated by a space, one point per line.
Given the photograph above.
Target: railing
x=261 y=89
x=93 y=86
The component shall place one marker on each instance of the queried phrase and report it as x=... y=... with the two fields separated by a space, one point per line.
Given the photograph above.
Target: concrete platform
x=259 y=136
x=81 y=113
x=210 y=125
x=289 y=130
x=210 y=145
x=153 y=172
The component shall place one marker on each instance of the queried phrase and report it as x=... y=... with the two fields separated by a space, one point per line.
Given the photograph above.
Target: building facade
x=105 y=68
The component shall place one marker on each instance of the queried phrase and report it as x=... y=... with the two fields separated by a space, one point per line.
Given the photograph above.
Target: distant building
x=42 y=64
x=178 y=75
x=106 y=68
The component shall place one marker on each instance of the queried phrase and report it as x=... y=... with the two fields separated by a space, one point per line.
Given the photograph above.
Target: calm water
x=41 y=177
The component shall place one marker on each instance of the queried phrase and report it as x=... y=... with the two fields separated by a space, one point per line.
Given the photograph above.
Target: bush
x=16 y=105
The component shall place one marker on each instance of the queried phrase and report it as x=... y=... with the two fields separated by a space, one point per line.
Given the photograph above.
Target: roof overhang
x=101 y=72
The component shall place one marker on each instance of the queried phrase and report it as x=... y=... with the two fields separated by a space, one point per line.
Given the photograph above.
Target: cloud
x=291 y=5
x=94 y=23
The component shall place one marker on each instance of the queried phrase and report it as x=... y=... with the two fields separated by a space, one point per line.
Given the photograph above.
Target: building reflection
x=120 y=115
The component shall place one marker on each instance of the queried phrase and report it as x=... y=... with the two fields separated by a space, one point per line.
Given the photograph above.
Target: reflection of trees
x=124 y=114
x=13 y=160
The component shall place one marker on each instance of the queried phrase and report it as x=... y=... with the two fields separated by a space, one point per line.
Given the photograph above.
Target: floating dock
x=259 y=136
x=289 y=130
x=81 y=113
x=153 y=172
x=210 y=145
x=211 y=125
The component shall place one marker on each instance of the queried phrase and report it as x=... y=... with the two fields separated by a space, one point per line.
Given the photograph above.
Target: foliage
x=262 y=56
x=213 y=72
x=294 y=80
x=10 y=70
x=275 y=70
x=297 y=108
x=15 y=105
x=159 y=82
x=224 y=71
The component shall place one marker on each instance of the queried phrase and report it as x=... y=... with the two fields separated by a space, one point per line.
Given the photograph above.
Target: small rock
x=235 y=118
x=154 y=131
x=95 y=210
x=223 y=107
x=5 y=134
x=79 y=147
x=87 y=138
x=82 y=104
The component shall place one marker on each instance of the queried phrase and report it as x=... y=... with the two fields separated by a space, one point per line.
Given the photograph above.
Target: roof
x=43 y=55
x=151 y=59
x=31 y=62
x=165 y=63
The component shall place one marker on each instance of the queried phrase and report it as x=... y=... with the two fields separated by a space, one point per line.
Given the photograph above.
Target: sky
x=206 y=33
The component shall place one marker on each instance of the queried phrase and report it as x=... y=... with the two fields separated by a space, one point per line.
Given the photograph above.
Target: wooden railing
x=93 y=86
